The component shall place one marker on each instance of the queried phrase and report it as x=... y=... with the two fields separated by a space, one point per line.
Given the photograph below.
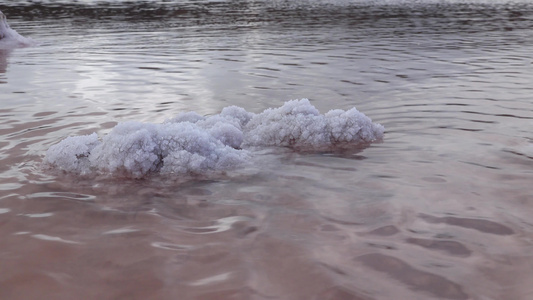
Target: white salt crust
x=9 y=38
x=193 y=144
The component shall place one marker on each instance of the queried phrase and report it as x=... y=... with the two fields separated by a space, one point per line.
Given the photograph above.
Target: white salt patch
x=9 y=38
x=298 y=124
x=4 y=210
x=194 y=144
x=72 y=153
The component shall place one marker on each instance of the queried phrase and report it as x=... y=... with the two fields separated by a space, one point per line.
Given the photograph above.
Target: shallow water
x=440 y=209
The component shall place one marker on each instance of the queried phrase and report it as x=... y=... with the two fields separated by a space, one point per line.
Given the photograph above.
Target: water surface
x=441 y=209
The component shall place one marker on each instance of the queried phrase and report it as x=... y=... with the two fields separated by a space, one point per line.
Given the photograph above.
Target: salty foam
x=193 y=144
x=9 y=38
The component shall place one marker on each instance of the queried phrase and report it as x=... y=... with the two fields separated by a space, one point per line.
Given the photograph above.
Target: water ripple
x=223 y=224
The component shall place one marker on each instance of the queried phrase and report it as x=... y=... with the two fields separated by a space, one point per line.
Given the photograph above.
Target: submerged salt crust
x=193 y=144
x=9 y=38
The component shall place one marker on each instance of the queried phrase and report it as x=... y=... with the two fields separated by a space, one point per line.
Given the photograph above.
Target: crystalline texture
x=9 y=38
x=193 y=144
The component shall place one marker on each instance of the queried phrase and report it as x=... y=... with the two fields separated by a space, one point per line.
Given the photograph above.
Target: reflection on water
x=4 y=54
x=439 y=210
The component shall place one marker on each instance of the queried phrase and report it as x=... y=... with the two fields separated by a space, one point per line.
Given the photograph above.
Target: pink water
x=440 y=210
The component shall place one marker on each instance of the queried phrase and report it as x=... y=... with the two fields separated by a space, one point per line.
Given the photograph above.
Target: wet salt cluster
x=193 y=144
x=9 y=38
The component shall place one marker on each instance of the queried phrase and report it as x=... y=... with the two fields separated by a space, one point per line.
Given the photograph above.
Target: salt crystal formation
x=9 y=38
x=193 y=144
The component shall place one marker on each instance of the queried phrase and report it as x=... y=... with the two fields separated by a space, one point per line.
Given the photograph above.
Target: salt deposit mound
x=9 y=38
x=193 y=144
